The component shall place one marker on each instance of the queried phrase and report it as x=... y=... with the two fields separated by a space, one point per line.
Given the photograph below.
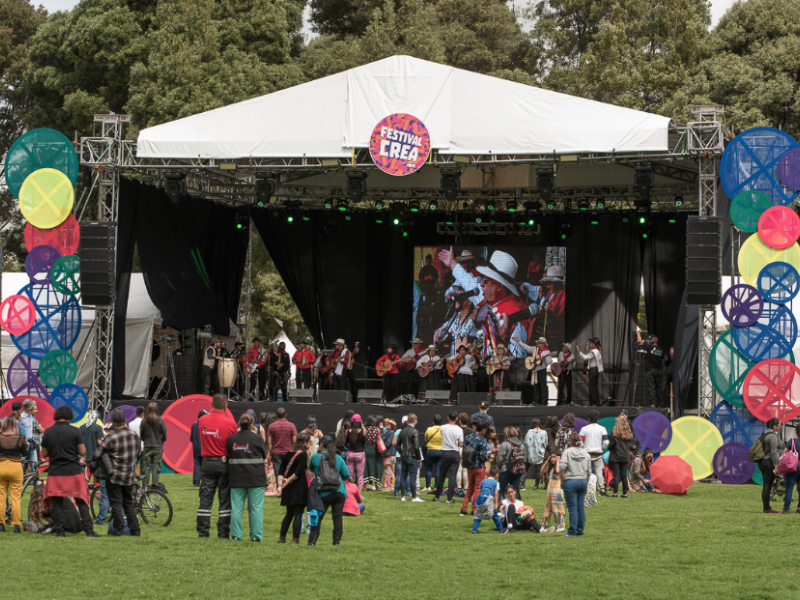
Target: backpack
x=468 y=455
x=328 y=479
x=517 y=461
x=757 y=449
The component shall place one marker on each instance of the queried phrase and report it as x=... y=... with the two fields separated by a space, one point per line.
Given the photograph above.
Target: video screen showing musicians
x=483 y=297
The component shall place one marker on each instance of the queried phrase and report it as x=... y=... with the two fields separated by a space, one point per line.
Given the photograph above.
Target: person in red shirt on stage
x=411 y=357
x=256 y=368
x=302 y=360
x=553 y=303
x=214 y=429
x=501 y=297
x=390 y=388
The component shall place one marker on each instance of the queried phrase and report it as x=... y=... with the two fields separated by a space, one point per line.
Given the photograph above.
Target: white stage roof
x=465 y=113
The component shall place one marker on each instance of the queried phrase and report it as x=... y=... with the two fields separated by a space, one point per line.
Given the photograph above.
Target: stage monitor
x=370 y=396
x=482 y=296
x=301 y=395
x=335 y=397
x=509 y=398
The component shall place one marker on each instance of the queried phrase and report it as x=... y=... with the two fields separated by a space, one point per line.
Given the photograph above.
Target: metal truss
x=706 y=141
x=456 y=229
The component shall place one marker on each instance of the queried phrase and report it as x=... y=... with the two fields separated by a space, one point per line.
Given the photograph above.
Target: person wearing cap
x=124 y=447
x=500 y=376
x=464 y=378
x=411 y=357
x=594 y=362
x=390 y=388
x=211 y=356
x=567 y=361
x=541 y=394
x=482 y=415
x=197 y=451
x=502 y=297
x=337 y=363
x=431 y=380
x=302 y=360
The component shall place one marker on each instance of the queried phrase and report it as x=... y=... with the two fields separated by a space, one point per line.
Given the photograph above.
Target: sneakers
x=550 y=529
x=463 y=513
x=435 y=500
x=561 y=529
x=417 y=499
x=93 y=535
x=785 y=511
x=403 y=499
x=451 y=502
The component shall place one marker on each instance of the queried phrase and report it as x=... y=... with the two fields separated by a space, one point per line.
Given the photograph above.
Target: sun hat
x=503 y=269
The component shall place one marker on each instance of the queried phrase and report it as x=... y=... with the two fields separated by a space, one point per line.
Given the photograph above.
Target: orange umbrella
x=671 y=474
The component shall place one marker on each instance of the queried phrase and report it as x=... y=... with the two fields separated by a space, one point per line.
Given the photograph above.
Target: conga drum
x=226 y=372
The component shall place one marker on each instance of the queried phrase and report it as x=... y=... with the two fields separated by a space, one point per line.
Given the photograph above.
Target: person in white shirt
x=539 y=374
x=432 y=379
x=452 y=441
x=566 y=360
x=411 y=357
x=515 y=517
x=594 y=363
x=340 y=372
x=464 y=380
x=595 y=441
x=137 y=422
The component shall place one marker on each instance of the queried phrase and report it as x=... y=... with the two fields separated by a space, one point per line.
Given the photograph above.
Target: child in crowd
x=488 y=500
x=554 y=504
x=37 y=522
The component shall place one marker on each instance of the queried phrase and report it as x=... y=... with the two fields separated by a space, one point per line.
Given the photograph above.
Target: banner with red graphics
x=400 y=144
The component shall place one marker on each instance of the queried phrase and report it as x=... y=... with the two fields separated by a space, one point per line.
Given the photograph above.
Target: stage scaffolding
x=689 y=169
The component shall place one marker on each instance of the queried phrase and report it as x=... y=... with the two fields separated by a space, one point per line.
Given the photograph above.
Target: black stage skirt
x=462 y=383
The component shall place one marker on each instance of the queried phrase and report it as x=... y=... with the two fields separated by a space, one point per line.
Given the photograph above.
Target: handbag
x=381 y=445
x=788 y=462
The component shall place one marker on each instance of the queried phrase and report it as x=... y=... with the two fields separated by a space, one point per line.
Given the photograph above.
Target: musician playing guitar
x=428 y=379
x=562 y=368
x=255 y=368
x=351 y=374
x=410 y=359
x=302 y=360
x=460 y=369
x=539 y=375
x=279 y=371
x=497 y=367
x=386 y=367
x=337 y=364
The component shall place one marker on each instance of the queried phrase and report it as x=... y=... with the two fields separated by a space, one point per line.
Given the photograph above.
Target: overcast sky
x=718 y=7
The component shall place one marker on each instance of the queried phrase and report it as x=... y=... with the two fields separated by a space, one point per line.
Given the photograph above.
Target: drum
x=226 y=372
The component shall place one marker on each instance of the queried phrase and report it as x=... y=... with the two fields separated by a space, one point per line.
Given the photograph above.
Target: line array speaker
x=96 y=249
x=703 y=260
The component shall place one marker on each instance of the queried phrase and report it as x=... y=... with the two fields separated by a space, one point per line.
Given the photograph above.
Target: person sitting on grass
x=554 y=502
x=518 y=516
x=640 y=467
x=488 y=501
x=354 y=504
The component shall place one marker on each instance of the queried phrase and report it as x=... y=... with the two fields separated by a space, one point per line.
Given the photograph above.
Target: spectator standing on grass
x=13 y=447
x=280 y=438
x=576 y=467
x=562 y=435
x=197 y=452
x=63 y=445
x=554 y=502
x=462 y=477
x=452 y=441
x=93 y=436
x=247 y=454
x=215 y=429
x=330 y=498
x=551 y=427
x=619 y=447
x=153 y=432
x=294 y=490
x=790 y=479
x=389 y=457
x=373 y=465
x=267 y=419
x=408 y=446
x=124 y=447
x=356 y=458
x=346 y=418
x=595 y=441
x=478 y=448
x=135 y=424
x=33 y=430
x=510 y=461
x=535 y=446
x=768 y=465
x=433 y=456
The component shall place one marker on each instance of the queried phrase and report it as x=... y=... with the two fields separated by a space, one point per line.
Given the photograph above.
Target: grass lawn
x=713 y=543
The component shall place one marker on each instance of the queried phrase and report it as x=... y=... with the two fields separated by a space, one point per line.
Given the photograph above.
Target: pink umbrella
x=671 y=474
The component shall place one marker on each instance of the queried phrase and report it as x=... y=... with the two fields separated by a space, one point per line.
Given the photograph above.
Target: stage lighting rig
x=397 y=212
x=356 y=185
x=265 y=189
x=379 y=205
x=432 y=205
x=644 y=180
x=678 y=199
x=450 y=183
x=546 y=184
x=511 y=206
x=241 y=220
x=566 y=230
x=490 y=205
x=413 y=206
x=342 y=204
x=600 y=203
x=328 y=203
x=583 y=204
x=292 y=206
x=174 y=186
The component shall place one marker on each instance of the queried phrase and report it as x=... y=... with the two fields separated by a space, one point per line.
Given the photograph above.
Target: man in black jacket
x=197 y=452
x=408 y=446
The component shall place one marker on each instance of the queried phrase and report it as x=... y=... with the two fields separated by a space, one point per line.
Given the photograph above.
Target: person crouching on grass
x=488 y=500
x=518 y=516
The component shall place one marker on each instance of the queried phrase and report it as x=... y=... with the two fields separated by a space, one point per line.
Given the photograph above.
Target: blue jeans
x=790 y=479
x=398 y=471
x=497 y=523
x=575 y=495
x=408 y=469
x=432 y=460
x=102 y=511
x=507 y=479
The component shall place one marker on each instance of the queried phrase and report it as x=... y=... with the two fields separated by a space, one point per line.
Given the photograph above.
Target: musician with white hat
x=593 y=360
x=410 y=359
x=541 y=394
x=338 y=360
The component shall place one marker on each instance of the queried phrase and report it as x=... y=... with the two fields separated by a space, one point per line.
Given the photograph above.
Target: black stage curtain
x=126 y=242
x=684 y=363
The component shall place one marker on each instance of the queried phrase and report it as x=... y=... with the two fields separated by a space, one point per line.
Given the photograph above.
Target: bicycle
x=153 y=506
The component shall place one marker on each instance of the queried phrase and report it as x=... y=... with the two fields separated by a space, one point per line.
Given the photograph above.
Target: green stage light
x=594 y=222
x=290 y=219
x=490 y=205
x=551 y=205
x=396 y=221
x=238 y=226
x=379 y=221
x=432 y=205
x=347 y=217
x=379 y=206
x=413 y=206
x=511 y=206
x=405 y=234
x=672 y=221
x=642 y=220
x=478 y=220
x=306 y=218
x=531 y=222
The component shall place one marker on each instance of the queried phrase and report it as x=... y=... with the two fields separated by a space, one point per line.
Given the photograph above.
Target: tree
x=754 y=67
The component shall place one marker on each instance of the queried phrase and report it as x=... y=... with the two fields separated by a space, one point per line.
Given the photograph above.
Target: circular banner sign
x=64 y=238
x=17 y=314
x=73 y=396
x=653 y=431
x=778 y=282
x=23 y=378
x=65 y=275
x=789 y=169
x=400 y=144
x=779 y=227
x=747 y=208
x=695 y=440
x=39 y=262
x=754 y=255
x=178 y=418
x=732 y=465
x=736 y=424
x=46 y=198
x=44 y=415
x=40 y=149
x=742 y=305
x=772 y=389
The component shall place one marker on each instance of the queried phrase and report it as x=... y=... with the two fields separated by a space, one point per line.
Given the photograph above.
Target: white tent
x=143 y=316
x=465 y=113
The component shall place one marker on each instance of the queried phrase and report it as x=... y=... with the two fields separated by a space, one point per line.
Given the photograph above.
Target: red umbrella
x=671 y=474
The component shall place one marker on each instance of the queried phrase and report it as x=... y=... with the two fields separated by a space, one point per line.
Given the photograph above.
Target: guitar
x=531 y=362
x=556 y=368
x=410 y=362
x=453 y=365
x=382 y=368
x=492 y=366
x=426 y=368
x=352 y=356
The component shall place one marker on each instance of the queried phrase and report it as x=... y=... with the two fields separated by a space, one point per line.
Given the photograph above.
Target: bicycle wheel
x=94 y=501
x=155 y=508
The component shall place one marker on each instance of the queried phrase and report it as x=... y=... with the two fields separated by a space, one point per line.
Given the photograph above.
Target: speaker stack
x=703 y=260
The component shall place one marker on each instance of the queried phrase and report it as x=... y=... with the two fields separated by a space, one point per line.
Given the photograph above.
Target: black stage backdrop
x=327 y=415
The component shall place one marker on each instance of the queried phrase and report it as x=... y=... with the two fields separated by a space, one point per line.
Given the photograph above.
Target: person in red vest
x=390 y=387
x=302 y=360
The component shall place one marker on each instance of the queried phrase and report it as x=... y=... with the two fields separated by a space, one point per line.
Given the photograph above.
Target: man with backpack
x=452 y=441
x=474 y=457
x=511 y=461
x=330 y=472
x=408 y=446
x=766 y=452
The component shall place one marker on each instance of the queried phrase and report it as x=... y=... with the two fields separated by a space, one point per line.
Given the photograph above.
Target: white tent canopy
x=465 y=113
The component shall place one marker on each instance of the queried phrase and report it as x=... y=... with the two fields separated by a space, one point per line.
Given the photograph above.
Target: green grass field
x=713 y=543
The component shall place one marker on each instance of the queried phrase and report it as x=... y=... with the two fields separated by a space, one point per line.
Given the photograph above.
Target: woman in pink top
x=353 y=504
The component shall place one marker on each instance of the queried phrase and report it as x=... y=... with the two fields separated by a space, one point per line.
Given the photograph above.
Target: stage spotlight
x=406 y=229
x=566 y=230
x=531 y=221
x=551 y=204
x=356 y=185
x=342 y=204
x=478 y=219
x=174 y=186
x=646 y=231
x=450 y=183
x=265 y=189
x=600 y=203
x=678 y=200
x=413 y=206
x=379 y=205
x=625 y=217
x=490 y=205
x=644 y=180
x=432 y=205
x=328 y=203
x=546 y=184
x=511 y=206
x=241 y=221
x=292 y=206
x=290 y=218
x=583 y=204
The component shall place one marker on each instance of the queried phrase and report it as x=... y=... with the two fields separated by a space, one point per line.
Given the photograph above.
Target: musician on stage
x=410 y=359
x=390 y=387
x=302 y=360
x=337 y=365
x=654 y=367
x=424 y=369
x=460 y=328
x=594 y=361
x=240 y=356
x=464 y=378
x=351 y=371
x=211 y=356
x=502 y=362
x=256 y=367
x=566 y=362
x=541 y=394
x=279 y=367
